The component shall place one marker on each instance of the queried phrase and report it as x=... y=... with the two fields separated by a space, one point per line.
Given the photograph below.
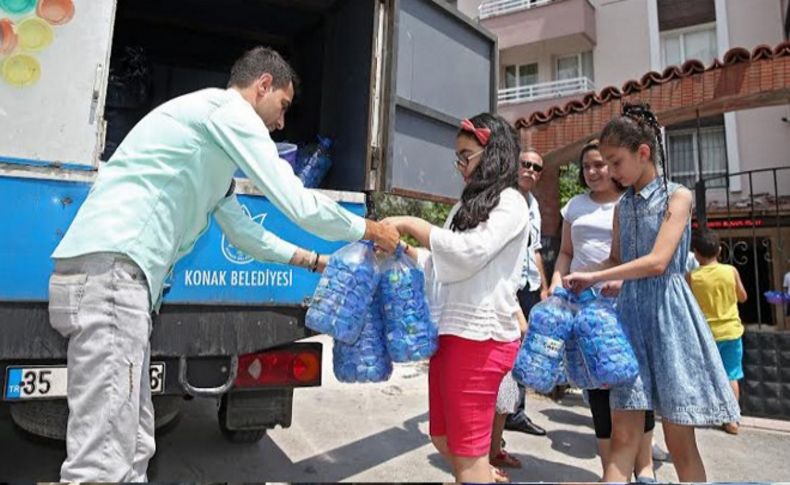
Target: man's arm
x=254 y=240
x=241 y=134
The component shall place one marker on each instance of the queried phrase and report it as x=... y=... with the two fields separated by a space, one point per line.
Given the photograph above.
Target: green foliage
x=569 y=183
x=386 y=205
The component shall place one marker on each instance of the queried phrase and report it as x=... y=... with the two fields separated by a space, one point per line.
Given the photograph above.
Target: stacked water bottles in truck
x=313 y=162
x=310 y=162
x=575 y=336
x=377 y=314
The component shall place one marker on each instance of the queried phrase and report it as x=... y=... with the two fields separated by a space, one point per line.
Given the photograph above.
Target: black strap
x=232 y=188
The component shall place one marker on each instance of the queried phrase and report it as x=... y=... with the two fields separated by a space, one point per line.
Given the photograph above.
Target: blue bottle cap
x=587 y=296
x=562 y=293
x=399 y=251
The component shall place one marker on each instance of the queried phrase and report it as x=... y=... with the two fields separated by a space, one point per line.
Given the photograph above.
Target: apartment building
x=554 y=51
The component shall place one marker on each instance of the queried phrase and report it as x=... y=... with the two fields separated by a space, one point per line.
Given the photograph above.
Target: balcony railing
x=502 y=7
x=553 y=89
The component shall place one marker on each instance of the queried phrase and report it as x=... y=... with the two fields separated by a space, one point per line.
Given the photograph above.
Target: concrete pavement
x=378 y=432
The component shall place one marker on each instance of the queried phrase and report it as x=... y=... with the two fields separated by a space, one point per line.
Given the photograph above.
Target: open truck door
x=387 y=80
x=440 y=67
x=51 y=101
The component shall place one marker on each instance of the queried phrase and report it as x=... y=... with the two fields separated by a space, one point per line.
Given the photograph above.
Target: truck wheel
x=241 y=436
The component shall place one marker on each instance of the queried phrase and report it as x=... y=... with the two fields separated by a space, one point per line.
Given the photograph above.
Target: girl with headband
x=473 y=269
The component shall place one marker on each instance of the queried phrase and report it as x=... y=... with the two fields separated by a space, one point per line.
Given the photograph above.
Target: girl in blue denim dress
x=681 y=376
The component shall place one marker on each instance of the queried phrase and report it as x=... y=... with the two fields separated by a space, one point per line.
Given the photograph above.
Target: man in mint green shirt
x=147 y=208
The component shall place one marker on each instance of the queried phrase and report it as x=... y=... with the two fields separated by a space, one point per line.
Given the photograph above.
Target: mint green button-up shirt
x=153 y=199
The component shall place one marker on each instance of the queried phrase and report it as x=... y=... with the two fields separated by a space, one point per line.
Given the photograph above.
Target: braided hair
x=637 y=125
x=498 y=170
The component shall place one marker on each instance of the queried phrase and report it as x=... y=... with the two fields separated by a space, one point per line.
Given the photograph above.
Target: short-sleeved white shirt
x=591 y=230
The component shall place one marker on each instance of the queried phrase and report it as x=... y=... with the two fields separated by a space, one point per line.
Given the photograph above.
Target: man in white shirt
x=534 y=286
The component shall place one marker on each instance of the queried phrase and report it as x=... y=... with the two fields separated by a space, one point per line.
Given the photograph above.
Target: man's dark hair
x=705 y=242
x=256 y=62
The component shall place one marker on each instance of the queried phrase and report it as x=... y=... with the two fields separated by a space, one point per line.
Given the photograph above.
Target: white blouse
x=472 y=276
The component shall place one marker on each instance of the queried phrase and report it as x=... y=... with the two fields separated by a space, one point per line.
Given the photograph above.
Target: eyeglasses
x=531 y=166
x=461 y=161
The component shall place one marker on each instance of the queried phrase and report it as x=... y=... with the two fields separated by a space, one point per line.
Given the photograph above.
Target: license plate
x=49 y=381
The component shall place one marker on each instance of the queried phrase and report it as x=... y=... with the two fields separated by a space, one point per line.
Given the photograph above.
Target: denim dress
x=681 y=375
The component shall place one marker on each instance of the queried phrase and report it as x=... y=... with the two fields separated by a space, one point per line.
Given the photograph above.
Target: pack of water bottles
x=607 y=353
x=376 y=317
x=411 y=334
x=578 y=374
x=539 y=361
x=580 y=336
x=313 y=164
x=367 y=359
x=345 y=293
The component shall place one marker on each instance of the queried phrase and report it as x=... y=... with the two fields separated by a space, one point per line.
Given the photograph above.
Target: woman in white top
x=586 y=242
x=473 y=269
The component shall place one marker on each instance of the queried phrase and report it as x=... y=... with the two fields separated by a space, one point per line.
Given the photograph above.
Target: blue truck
x=387 y=80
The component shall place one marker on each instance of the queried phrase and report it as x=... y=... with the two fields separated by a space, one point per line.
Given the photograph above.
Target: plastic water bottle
x=317 y=164
x=576 y=369
x=605 y=347
x=344 y=292
x=367 y=359
x=540 y=358
x=411 y=334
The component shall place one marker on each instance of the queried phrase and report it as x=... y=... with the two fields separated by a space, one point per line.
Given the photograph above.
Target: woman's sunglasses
x=531 y=166
x=462 y=160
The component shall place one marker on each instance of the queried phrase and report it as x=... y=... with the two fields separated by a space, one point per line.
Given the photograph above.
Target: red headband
x=482 y=134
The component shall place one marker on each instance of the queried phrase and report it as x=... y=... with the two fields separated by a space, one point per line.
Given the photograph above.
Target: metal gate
x=751 y=212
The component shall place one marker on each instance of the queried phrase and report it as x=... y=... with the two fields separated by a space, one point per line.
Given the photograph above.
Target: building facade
x=555 y=51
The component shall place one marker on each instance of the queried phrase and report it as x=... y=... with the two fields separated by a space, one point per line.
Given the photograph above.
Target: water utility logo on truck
x=230 y=252
x=237 y=278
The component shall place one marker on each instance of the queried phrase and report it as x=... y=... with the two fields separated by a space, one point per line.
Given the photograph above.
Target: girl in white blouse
x=473 y=267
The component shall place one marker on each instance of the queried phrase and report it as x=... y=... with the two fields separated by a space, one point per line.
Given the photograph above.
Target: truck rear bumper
x=179 y=330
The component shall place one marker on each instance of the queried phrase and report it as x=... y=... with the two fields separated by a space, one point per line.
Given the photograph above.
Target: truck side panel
x=36 y=213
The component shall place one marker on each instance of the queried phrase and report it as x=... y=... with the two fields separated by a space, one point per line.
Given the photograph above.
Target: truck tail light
x=293 y=366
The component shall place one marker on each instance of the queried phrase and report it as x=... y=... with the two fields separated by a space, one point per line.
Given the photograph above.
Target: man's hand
x=611 y=289
x=386 y=236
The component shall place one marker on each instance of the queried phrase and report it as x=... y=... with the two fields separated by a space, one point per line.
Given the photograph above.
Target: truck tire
x=245 y=436
x=48 y=419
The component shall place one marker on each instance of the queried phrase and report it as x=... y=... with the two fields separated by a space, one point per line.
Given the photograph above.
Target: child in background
x=472 y=270
x=718 y=289
x=658 y=312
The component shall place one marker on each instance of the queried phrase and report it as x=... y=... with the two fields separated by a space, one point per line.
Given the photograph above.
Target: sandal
x=730 y=428
x=499 y=475
x=505 y=460
x=646 y=479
